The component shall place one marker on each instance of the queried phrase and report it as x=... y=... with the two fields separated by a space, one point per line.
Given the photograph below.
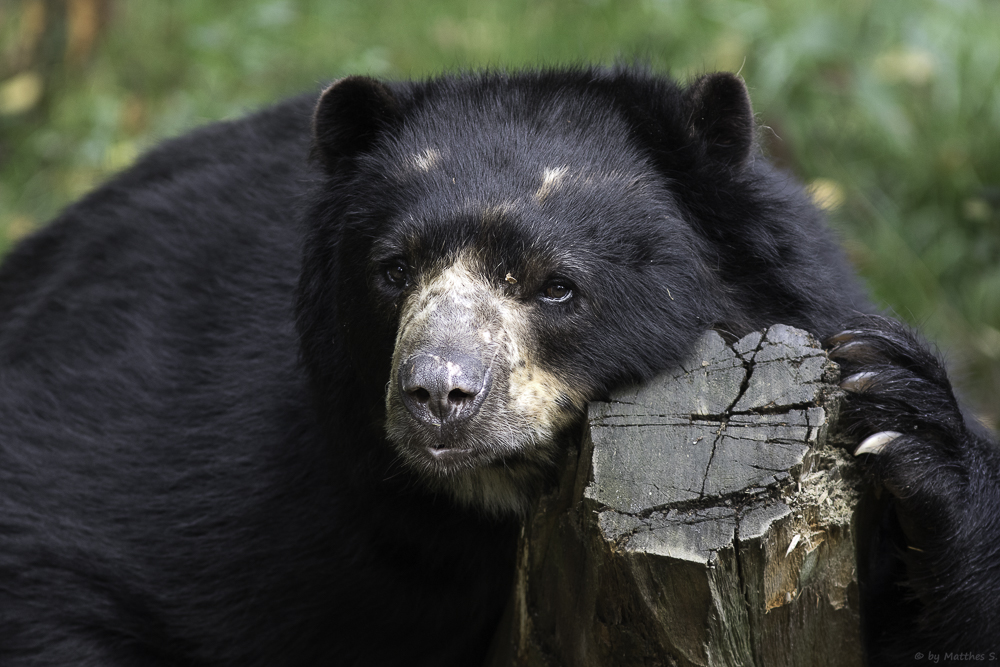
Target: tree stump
x=705 y=519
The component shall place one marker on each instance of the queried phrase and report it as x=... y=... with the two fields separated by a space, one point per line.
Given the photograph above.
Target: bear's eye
x=558 y=291
x=398 y=273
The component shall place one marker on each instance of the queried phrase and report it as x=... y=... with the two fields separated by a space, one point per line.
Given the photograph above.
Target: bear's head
x=488 y=253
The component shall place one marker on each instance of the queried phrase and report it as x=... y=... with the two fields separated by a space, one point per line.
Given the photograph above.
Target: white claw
x=858 y=381
x=874 y=444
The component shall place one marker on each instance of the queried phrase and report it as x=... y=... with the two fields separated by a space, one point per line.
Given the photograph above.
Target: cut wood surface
x=705 y=519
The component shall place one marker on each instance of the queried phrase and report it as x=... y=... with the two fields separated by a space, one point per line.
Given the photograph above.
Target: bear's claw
x=874 y=444
x=859 y=381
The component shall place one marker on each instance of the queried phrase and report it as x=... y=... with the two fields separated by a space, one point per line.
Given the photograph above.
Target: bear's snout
x=442 y=387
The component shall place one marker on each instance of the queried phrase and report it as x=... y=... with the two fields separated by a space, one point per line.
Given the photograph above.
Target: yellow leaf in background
x=119 y=155
x=826 y=193
x=20 y=93
x=18 y=227
x=914 y=67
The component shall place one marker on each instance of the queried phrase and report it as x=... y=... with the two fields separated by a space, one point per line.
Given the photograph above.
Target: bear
x=281 y=392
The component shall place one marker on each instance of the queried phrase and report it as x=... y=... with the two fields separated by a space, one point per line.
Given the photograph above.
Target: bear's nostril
x=458 y=396
x=420 y=394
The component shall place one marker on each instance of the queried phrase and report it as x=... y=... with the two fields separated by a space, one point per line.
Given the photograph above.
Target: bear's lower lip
x=449 y=454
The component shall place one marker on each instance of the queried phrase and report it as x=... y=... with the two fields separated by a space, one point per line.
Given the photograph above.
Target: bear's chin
x=500 y=474
x=501 y=488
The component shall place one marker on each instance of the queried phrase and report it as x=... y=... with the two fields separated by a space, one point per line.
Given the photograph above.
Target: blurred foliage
x=889 y=110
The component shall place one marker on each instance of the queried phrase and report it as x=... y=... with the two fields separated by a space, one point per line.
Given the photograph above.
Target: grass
x=889 y=110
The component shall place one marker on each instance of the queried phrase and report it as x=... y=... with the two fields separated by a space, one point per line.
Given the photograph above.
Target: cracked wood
x=706 y=519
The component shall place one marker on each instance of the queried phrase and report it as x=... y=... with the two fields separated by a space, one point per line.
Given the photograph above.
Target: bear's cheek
x=467 y=390
x=540 y=397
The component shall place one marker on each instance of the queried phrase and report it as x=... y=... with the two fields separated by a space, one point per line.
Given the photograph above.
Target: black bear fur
x=201 y=462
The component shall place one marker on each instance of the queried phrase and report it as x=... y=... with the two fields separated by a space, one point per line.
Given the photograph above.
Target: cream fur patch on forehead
x=558 y=178
x=552 y=178
x=425 y=160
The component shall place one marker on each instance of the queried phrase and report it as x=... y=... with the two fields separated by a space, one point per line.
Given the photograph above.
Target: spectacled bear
x=279 y=393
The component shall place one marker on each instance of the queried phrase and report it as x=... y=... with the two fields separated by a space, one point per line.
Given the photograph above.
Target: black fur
x=934 y=563
x=193 y=362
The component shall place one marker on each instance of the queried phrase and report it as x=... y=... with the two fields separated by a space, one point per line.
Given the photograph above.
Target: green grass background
x=888 y=109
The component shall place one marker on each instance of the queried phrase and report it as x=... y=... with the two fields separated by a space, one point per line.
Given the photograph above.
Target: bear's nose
x=443 y=388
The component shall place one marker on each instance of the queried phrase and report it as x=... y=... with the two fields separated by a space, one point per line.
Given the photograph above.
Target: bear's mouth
x=450 y=448
x=446 y=453
x=445 y=459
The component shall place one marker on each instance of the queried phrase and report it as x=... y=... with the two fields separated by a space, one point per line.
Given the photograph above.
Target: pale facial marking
x=455 y=289
x=496 y=209
x=559 y=178
x=533 y=392
x=457 y=294
x=552 y=178
x=532 y=389
x=427 y=159
x=527 y=406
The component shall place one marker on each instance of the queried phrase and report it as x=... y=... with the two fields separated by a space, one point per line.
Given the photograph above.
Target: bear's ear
x=721 y=116
x=349 y=116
